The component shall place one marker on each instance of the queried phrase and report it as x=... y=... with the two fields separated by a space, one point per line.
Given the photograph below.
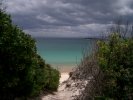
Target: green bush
x=116 y=61
x=23 y=72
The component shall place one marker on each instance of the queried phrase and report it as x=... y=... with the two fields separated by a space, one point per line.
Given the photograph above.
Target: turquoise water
x=63 y=51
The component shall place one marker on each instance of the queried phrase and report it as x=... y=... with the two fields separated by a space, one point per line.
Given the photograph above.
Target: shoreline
x=64 y=68
x=64 y=71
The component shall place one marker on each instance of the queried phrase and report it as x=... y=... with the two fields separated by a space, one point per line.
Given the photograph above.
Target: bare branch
x=2 y=6
x=123 y=28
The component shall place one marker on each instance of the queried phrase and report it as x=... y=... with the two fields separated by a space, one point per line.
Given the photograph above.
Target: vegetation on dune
x=115 y=58
x=116 y=62
x=110 y=67
x=23 y=72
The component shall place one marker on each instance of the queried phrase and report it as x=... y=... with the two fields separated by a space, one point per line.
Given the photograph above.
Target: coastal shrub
x=53 y=79
x=116 y=61
x=46 y=77
x=23 y=72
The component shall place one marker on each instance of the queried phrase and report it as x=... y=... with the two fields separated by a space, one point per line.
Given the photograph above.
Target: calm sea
x=63 y=51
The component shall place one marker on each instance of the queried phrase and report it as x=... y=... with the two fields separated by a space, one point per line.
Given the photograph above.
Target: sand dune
x=64 y=77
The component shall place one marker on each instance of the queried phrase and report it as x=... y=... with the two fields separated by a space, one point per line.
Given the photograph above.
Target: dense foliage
x=23 y=72
x=116 y=62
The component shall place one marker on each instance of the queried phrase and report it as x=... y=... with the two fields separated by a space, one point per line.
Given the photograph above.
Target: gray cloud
x=67 y=18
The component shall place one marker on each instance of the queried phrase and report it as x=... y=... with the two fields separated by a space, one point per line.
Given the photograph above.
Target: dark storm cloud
x=67 y=18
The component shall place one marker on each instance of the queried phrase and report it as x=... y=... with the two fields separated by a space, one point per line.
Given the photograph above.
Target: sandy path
x=64 y=77
x=60 y=94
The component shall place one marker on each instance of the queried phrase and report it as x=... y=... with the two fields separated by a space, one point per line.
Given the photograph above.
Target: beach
x=64 y=72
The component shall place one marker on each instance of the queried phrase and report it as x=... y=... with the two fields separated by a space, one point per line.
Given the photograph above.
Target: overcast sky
x=67 y=18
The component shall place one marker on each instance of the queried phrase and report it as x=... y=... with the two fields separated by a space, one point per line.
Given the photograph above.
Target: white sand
x=60 y=94
x=64 y=77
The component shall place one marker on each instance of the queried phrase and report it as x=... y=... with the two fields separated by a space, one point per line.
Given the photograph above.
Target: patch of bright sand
x=64 y=77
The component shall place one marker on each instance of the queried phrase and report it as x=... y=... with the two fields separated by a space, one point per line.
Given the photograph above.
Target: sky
x=68 y=18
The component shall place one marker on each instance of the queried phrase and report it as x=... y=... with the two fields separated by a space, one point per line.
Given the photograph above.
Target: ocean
x=61 y=52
